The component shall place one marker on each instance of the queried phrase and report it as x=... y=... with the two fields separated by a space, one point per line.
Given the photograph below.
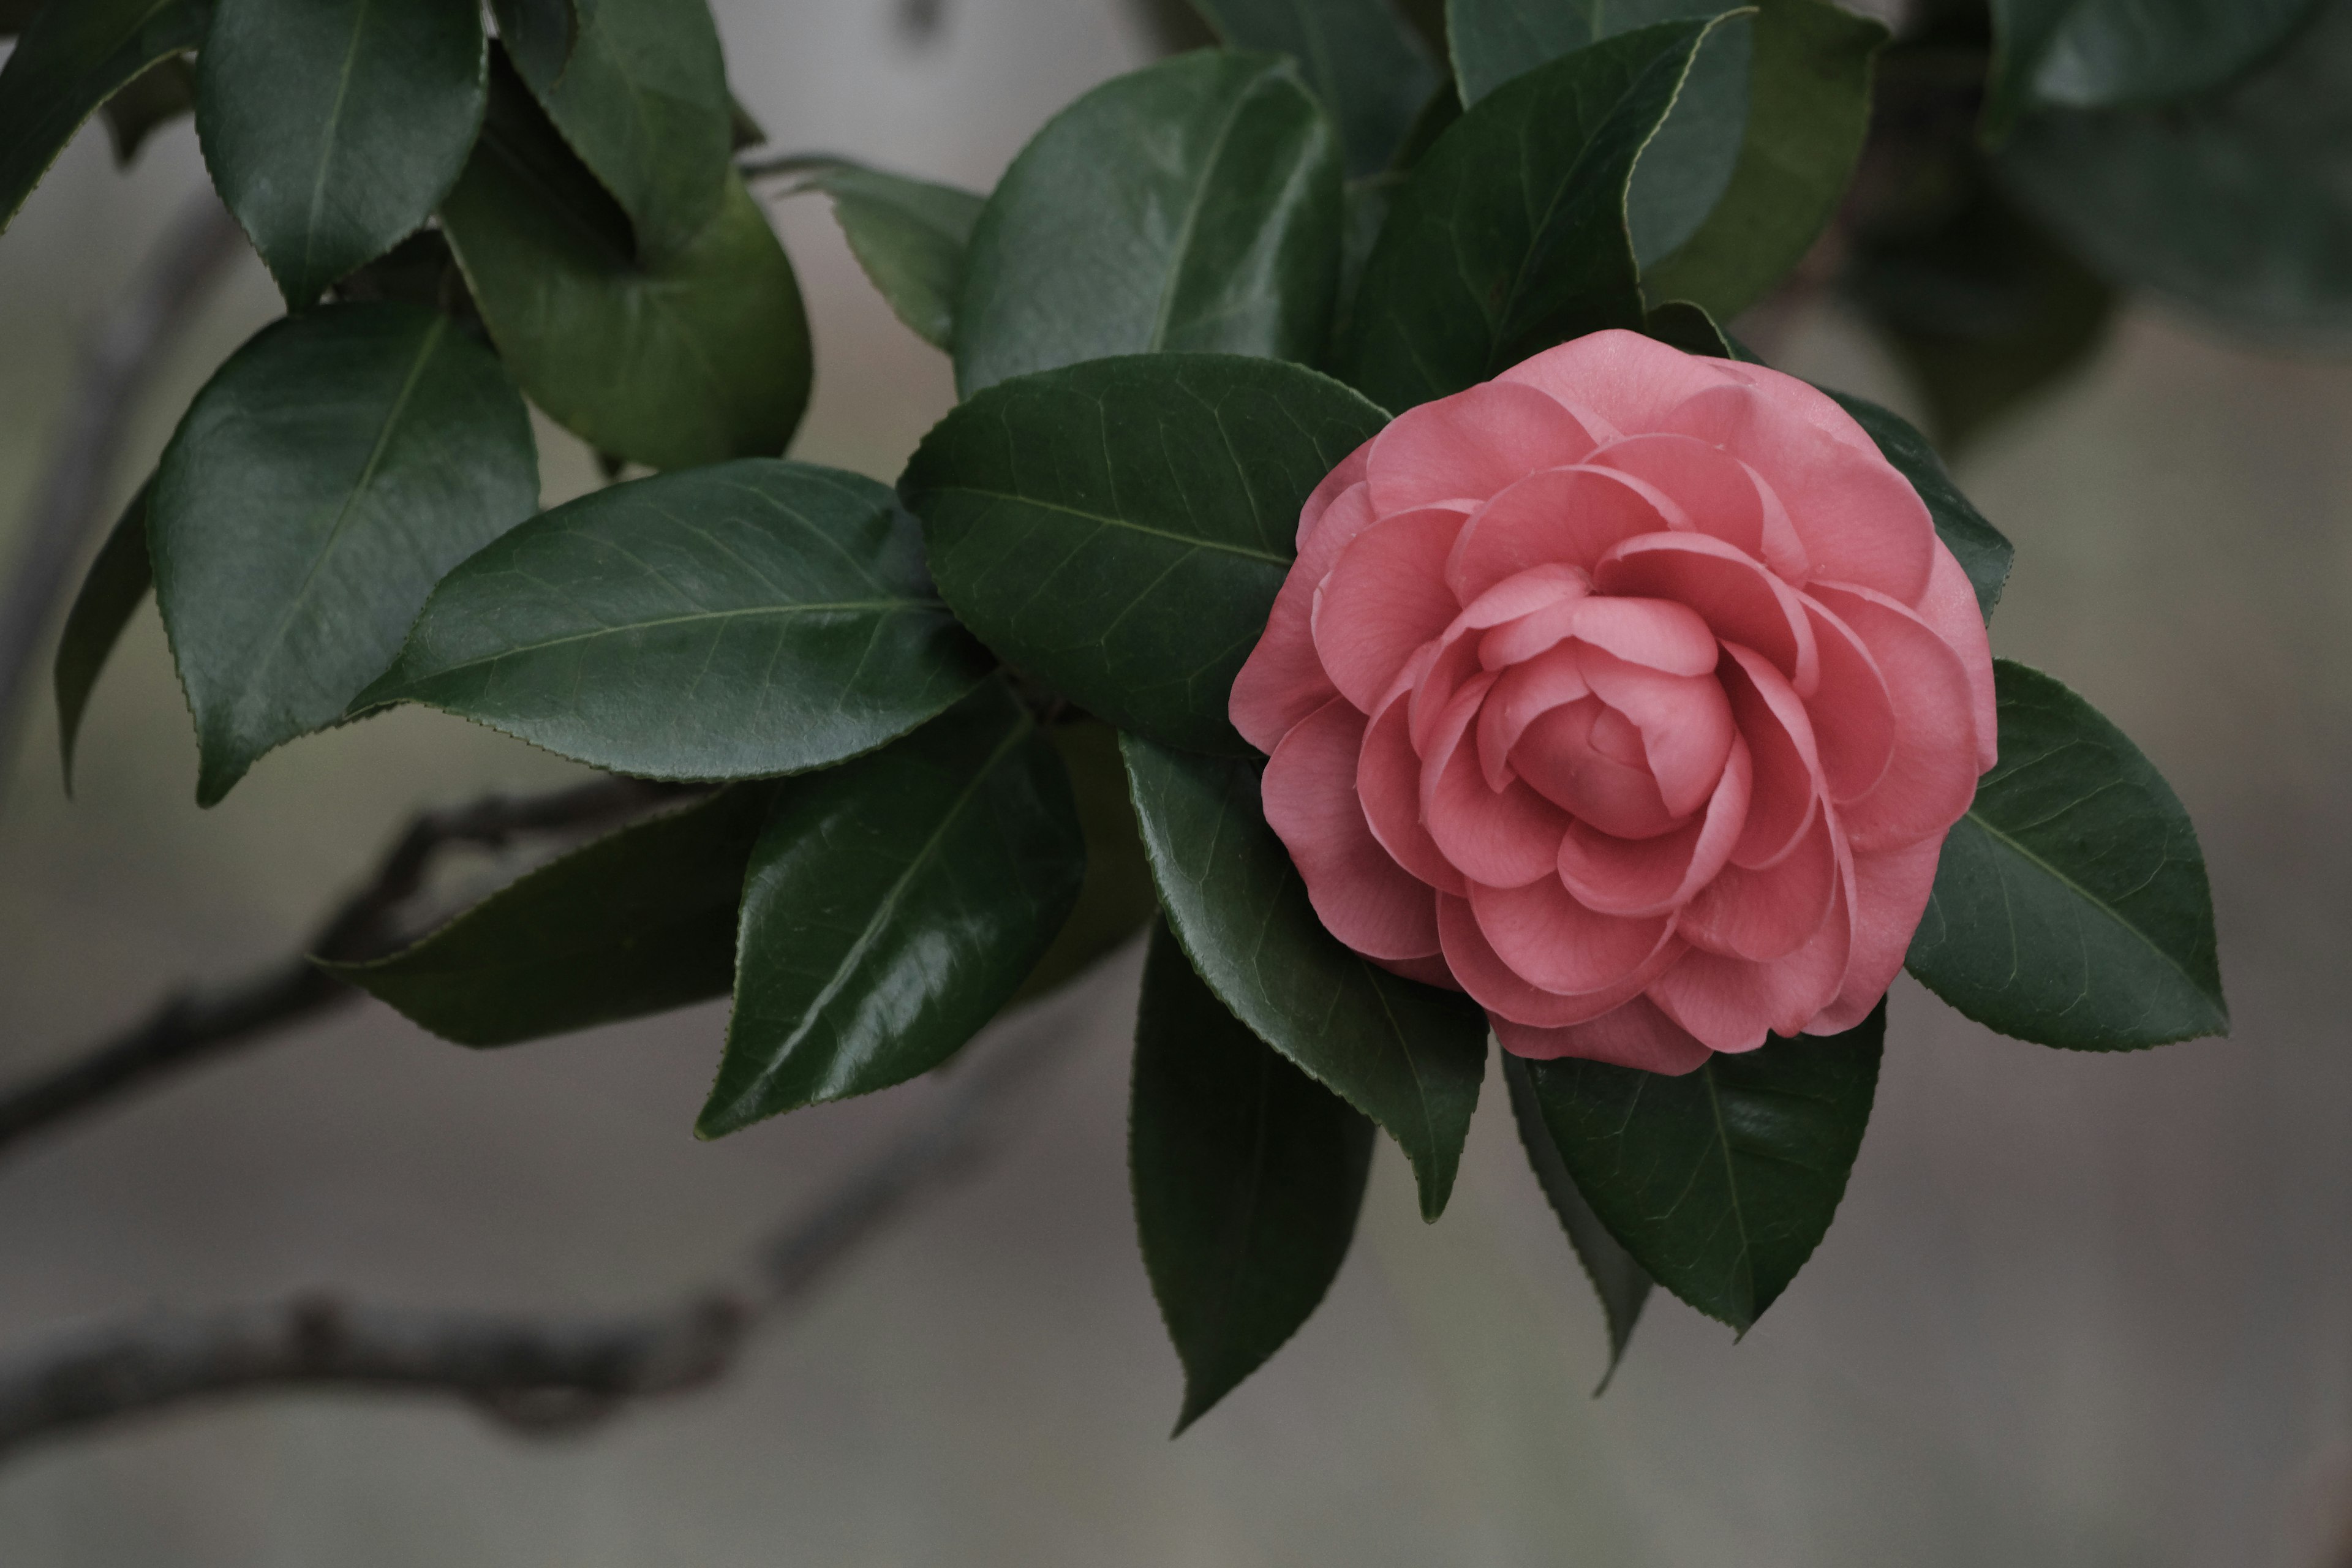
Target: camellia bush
x=1360 y=556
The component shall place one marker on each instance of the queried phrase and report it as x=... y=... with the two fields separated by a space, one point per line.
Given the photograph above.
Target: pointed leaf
x=690 y=356
x=320 y=483
x=640 y=922
x=1248 y=1176
x=1119 y=530
x=747 y=618
x=1620 y=1282
x=2092 y=54
x=2070 y=907
x=73 y=57
x=332 y=128
x=539 y=34
x=149 y=102
x=1722 y=1182
x=1360 y=57
x=119 y=578
x=1406 y=1055
x=909 y=234
x=1193 y=204
x=893 y=906
x=1116 y=897
x=1983 y=553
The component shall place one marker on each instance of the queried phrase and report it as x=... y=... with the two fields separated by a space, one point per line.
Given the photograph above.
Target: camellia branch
x=535 y=1375
x=195 y=1027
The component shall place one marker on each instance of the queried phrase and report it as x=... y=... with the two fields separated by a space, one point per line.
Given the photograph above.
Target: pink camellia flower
x=1631 y=692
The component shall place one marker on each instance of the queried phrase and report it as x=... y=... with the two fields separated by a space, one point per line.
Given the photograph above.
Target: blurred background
x=2076 y=1310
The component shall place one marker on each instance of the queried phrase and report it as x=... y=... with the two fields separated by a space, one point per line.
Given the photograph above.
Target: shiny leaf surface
x=117 y=580
x=539 y=34
x=1116 y=897
x=747 y=618
x=893 y=906
x=2093 y=54
x=1406 y=1055
x=1360 y=57
x=909 y=236
x=73 y=57
x=1119 y=530
x=1621 y=1283
x=1983 y=553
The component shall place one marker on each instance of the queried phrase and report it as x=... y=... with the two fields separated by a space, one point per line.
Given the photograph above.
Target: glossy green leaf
x=909 y=236
x=1248 y=1176
x=1981 y=548
x=1360 y=57
x=149 y=102
x=1722 y=1182
x=747 y=618
x=1509 y=237
x=893 y=906
x=686 y=357
x=642 y=98
x=1116 y=897
x=2070 y=907
x=1118 y=529
x=1406 y=1055
x=1193 y=204
x=73 y=57
x=332 y=128
x=117 y=580
x=539 y=34
x=315 y=489
x=2095 y=54
x=1620 y=1282
x=640 y=922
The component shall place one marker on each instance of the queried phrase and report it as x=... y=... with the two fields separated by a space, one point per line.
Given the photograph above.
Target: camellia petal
x=1890 y=893
x=1636 y=1035
x=1641 y=877
x=1656 y=632
x=1931 y=775
x=1505 y=836
x=1731 y=1004
x=1713 y=492
x=1470 y=446
x=1739 y=599
x=1556 y=943
x=1385 y=596
x=1684 y=720
x=1852 y=711
x=1572 y=516
x=1779 y=739
x=1630 y=381
x=1388 y=780
x=1363 y=896
x=1507 y=996
x=1282 y=681
x=1768 y=914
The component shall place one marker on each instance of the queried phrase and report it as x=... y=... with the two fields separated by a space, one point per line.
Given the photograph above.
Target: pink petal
x=1713 y=489
x=1551 y=942
x=1568 y=515
x=1427 y=971
x=1385 y=597
x=1640 y=877
x=1492 y=985
x=1852 y=710
x=1506 y=837
x=1891 y=890
x=1656 y=632
x=1787 y=787
x=1768 y=914
x=1586 y=758
x=1636 y=1035
x=1388 y=781
x=1522 y=694
x=1363 y=896
x=1806 y=401
x=1471 y=444
x=1784 y=552
x=1282 y=681
x=1931 y=775
x=1349 y=474
x=1524 y=592
x=1630 y=381
x=1949 y=606
x=1684 y=720
x=1739 y=600
x=1731 y=1004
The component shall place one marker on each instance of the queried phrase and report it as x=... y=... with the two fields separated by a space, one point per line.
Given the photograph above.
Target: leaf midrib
x=1193 y=540
x=632 y=627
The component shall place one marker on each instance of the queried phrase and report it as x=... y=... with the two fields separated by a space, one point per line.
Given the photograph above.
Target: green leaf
x=892 y=907
x=149 y=102
x=2070 y=906
x=1981 y=550
x=639 y=921
x=1510 y=236
x=1248 y=1176
x=73 y=56
x=1118 y=529
x=539 y=34
x=1722 y=1182
x=1406 y=1055
x=690 y=356
x=2093 y=54
x=642 y=98
x=320 y=483
x=117 y=580
x=1621 y=1283
x=1193 y=204
x=1360 y=57
x=747 y=618
x=1116 y=897
x=909 y=234
x=332 y=128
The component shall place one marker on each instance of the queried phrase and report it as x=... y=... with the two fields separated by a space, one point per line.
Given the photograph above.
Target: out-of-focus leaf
x=1721 y=1183
x=315 y=489
x=2098 y=54
x=1360 y=57
x=893 y=906
x=73 y=57
x=743 y=619
x=639 y=921
x=1620 y=1282
x=2070 y=907
x=1116 y=897
x=117 y=580
x=911 y=236
x=16 y=15
x=1195 y=205
x=1248 y=1176
x=1408 y=1056
x=1983 y=553
x=1119 y=530
x=149 y=102
x=691 y=356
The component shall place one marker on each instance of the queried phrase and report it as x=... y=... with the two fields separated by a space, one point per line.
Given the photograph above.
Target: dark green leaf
x=2095 y=54
x=1248 y=1176
x=1406 y=1055
x=909 y=234
x=1360 y=57
x=642 y=98
x=1980 y=549
x=1116 y=897
x=1436 y=117
x=73 y=56
x=640 y=922
x=747 y=618
x=2070 y=907
x=1688 y=328
x=1118 y=529
x=539 y=34
x=322 y=482
x=1509 y=237
x=1722 y=1182
x=332 y=128
x=688 y=357
x=1193 y=204
x=1622 y=1285
x=419 y=270
x=16 y=15
x=149 y=102
x=117 y=580
x=893 y=906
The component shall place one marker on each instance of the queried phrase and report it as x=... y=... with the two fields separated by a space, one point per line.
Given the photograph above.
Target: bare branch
x=191 y=1026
